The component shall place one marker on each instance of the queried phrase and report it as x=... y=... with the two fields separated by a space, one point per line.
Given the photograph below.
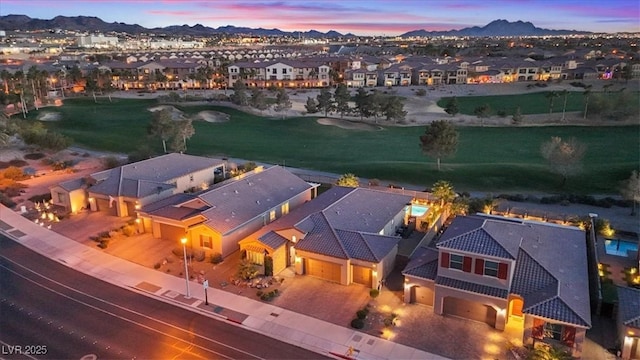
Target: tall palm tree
x=551 y=97
x=586 y=94
x=565 y=93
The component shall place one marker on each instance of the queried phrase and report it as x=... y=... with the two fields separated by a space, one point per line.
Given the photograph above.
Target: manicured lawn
x=531 y=103
x=489 y=159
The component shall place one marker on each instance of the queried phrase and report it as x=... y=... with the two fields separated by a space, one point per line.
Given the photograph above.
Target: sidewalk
x=284 y=325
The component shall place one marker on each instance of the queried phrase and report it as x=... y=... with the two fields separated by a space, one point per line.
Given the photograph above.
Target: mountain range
x=95 y=24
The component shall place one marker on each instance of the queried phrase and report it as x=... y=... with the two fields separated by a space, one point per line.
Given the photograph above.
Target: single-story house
x=628 y=322
x=501 y=270
x=345 y=235
x=122 y=190
x=215 y=220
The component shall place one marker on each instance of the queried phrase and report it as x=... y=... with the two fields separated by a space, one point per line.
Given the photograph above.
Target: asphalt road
x=48 y=311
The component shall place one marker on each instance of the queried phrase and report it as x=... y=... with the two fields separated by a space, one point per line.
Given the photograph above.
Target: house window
x=274 y=71
x=284 y=71
x=272 y=215
x=285 y=208
x=61 y=198
x=491 y=268
x=553 y=331
x=205 y=241
x=455 y=261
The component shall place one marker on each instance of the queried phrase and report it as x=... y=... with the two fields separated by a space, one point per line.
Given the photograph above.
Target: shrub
x=259 y=293
x=6 y=201
x=362 y=314
x=110 y=162
x=268 y=266
x=216 y=258
x=247 y=270
x=421 y=92
x=157 y=265
x=104 y=235
x=357 y=323
x=13 y=173
x=374 y=293
x=128 y=230
x=104 y=243
x=198 y=255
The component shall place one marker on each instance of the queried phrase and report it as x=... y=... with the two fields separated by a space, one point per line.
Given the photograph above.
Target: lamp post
x=186 y=269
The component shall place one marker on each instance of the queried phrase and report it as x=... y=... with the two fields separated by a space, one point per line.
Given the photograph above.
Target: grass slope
x=488 y=159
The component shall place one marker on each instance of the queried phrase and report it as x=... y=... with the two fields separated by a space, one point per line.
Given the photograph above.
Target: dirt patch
x=212 y=116
x=50 y=116
x=348 y=125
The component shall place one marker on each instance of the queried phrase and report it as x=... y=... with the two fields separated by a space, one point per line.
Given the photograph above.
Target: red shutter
x=444 y=259
x=466 y=264
x=537 y=331
x=479 y=266
x=568 y=335
x=502 y=270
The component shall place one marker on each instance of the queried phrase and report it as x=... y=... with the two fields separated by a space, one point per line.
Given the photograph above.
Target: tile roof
x=273 y=240
x=143 y=178
x=557 y=309
x=472 y=287
x=629 y=306
x=242 y=200
x=365 y=210
x=74 y=184
x=423 y=264
x=321 y=238
x=477 y=241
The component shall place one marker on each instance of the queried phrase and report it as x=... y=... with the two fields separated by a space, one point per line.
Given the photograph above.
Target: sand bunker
x=212 y=116
x=175 y=113
x=50 y=116
x=348 y=125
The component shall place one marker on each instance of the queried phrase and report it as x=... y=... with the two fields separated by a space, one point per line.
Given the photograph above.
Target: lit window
x=455 y=261
x=205 y=241
x=272 y=215
x=285 y=208
x=491 y=268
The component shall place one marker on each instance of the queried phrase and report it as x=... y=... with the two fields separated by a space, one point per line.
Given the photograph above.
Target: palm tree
x=586 y=94
x=551 y=96
x=565 y=93
x=5 y=76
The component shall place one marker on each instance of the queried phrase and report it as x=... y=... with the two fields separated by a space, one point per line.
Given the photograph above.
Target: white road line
x=124 y=309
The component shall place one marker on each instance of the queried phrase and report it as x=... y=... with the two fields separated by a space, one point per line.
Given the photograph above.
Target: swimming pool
x=418 y=210
x=619 y=247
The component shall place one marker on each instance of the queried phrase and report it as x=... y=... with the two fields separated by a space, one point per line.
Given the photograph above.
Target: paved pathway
x=270 y=320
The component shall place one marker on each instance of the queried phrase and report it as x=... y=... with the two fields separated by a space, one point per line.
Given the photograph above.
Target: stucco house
x=498 y=270
x=628 y=322
x=345 y=235
x=215 y=220
x=122 y=190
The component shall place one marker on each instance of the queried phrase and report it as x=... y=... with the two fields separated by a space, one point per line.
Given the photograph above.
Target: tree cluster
x=367 y=104
x=175 y=131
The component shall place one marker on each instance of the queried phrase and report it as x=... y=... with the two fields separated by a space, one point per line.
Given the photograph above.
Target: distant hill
x=495 y=28
x=94 y=24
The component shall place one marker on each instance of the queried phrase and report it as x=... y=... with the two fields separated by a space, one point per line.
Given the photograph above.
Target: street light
x=186 y=269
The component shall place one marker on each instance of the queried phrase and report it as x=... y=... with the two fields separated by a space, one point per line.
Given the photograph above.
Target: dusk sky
x=360 y=17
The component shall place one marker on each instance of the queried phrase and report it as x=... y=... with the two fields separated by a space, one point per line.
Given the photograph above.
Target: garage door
x=362 y=275
x=323 y=269
x=103 y=206
x=470 y=310
x=422 y=295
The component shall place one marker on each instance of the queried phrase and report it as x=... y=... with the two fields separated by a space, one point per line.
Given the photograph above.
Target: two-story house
x=502 y=271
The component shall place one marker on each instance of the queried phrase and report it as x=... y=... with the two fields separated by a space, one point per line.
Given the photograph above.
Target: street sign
x=205 y=284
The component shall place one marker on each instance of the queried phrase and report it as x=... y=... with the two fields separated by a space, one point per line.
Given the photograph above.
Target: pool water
x=419 y=210
x=619 y=247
